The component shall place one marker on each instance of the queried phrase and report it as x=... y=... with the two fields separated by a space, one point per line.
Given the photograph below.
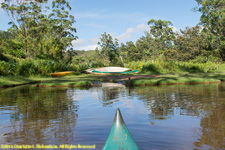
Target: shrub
x=6 y=68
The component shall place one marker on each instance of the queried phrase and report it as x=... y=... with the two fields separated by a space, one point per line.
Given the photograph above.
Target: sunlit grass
x=70 y=80
x=15 y=80
x=87 y=80
x=179 y=79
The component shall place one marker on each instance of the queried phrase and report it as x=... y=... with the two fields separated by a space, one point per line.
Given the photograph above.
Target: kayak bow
x=119 y=137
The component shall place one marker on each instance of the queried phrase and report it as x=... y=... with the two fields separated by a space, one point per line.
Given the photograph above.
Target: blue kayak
x=119 y=137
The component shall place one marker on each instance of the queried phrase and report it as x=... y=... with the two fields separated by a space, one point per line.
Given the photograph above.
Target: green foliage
x=129 y=52
x=171 y=54
x=163 y=66
x=213 y=21
x=6 y=68
x=146 y=46
x=87 y=59
x=61 y=23
x=68 y=56
x=37 y=43
x=173 y=79
x=135 y=65
x=162 y=33
x=108 y=47
x=190 y=44
x=29 y=67
x=36 y=34
x=9 y=45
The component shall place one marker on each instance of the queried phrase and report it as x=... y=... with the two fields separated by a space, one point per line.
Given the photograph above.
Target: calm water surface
x=182 y=117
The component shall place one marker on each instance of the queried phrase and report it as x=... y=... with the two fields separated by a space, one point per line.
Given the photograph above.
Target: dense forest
x=39 y=41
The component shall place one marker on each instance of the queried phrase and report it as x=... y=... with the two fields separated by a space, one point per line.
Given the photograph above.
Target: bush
x=162 y=66
x=7 y=68
x=135 y=65
x=29 y=67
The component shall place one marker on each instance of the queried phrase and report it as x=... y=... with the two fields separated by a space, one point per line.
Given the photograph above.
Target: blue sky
x=123 y=19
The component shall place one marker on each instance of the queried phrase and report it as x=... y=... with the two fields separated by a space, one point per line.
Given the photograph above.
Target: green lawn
x=15 y=80
x=70 y=80
x=179 y=79
x=88 y=80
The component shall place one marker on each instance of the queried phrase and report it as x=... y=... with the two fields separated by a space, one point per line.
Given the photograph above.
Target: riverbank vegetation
x=11 y=81
x=89 y=80
x=39 y=42
x=185 y=78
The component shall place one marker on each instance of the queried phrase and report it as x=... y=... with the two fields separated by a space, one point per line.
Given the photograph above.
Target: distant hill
x=85 y=53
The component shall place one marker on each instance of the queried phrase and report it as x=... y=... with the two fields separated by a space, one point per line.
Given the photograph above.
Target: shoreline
x=87 y=80
x=179 y=83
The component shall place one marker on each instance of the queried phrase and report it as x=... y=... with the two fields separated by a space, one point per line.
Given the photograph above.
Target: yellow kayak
x=60 y=74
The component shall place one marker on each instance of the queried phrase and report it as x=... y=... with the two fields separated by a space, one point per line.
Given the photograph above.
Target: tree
x=24 y=16
x=190 y=44
x=61 y=25
x=10 y=45
x=42 y=36
x=68 y=56
x=213 y=21
x=146 y=46
x=108 y=47
x=162 y=33
x=129 y=52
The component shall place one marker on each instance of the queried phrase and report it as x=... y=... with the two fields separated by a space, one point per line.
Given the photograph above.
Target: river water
x=175 y=117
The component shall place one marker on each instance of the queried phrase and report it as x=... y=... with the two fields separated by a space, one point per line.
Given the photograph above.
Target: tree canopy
x=40 y=34
x=213 y=22
x=40 y=30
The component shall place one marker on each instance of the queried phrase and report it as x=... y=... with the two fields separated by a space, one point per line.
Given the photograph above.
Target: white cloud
x=176 y=29
x=94 y=40
x=130 y=31
x=78 y=42
x=81 y=44
x=91 y=44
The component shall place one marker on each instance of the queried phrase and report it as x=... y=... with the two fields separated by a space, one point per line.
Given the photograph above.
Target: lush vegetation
x=16 y=80
x=39 y=42
x=177 y=79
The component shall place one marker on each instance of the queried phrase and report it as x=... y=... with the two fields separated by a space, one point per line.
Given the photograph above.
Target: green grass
x=70 y=80
x=83 y=80
x=87 y=80
x=15 y=80
x=161 y=66
x=179 y=79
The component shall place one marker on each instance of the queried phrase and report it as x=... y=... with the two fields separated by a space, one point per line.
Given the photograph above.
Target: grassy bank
x=15 y=81
x=82 y=80
x=88 y=80
x=179 y=79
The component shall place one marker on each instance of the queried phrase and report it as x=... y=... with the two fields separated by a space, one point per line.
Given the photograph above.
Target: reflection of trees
x=162 y=101
x=40 y=115
x=206 y=101
x=213 y=128
x=110 y=94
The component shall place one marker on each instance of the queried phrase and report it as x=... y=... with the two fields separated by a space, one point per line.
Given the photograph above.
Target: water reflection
x=212 y=131
x=188 y=100
x=159 y=117
x=205 y=101
x=38 y=115
x=110 y=92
